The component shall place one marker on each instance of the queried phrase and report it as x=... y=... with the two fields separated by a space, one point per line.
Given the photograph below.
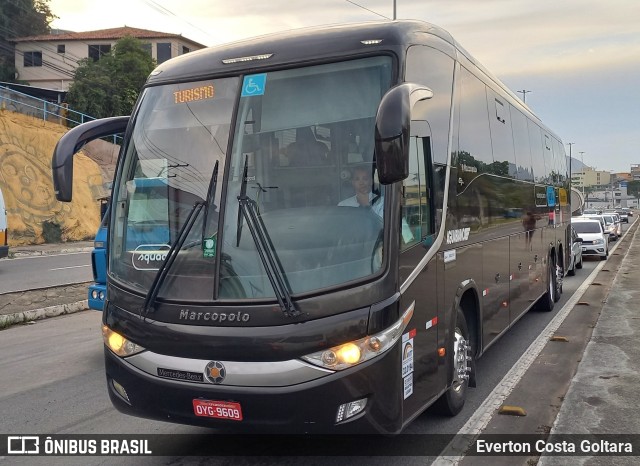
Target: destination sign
x=191 y=95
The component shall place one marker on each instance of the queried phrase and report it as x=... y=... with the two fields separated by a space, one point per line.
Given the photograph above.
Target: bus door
x=417 y=232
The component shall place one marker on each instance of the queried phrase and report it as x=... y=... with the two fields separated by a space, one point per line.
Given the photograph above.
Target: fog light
x=121 y=391
x=349 y=410
x=101 y=295
x=94 y=294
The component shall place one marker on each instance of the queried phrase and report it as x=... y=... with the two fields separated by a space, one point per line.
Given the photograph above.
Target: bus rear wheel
x=452 y=401
x=546 y=303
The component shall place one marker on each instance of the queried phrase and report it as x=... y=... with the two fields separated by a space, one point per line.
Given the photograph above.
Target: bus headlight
x=119 y=344
x=355 y=352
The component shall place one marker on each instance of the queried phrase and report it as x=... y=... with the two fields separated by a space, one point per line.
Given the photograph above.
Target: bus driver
x=361 y=181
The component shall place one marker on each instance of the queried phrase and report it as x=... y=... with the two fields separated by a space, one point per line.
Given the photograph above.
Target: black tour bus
x=342 y=220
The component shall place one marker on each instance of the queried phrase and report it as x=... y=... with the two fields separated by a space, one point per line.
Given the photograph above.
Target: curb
x=44 y=313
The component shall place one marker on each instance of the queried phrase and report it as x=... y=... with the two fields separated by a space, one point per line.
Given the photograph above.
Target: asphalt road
x=53 y=383
x=31 y=272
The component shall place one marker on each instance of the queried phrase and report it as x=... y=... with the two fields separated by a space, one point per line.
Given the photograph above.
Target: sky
x=579 y=60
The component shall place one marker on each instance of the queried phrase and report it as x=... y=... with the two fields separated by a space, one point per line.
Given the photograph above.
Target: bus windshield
x=301 y=157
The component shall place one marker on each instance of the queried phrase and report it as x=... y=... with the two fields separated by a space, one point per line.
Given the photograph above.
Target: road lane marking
x=71 y=267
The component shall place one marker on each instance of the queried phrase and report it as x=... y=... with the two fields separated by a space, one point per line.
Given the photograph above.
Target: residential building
x=50 y=60
x=590 y=178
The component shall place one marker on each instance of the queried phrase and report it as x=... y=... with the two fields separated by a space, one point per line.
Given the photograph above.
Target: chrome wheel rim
x=461 y=359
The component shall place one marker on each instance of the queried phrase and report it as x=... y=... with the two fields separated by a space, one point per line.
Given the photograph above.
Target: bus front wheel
x=452 y=401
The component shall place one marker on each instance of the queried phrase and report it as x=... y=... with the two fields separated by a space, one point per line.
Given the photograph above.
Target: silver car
x=576 y=252
x=612 y=223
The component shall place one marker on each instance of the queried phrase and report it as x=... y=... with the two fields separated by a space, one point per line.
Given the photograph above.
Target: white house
x=50 y=60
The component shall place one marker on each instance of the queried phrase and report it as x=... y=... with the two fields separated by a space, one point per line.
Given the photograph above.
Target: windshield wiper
x=210 y=193
x=171 y=257
x=248 y=209
x=163 y=271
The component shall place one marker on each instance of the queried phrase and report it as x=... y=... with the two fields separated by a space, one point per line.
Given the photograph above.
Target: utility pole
x=582 y=160
x=524 y=93
x=570 y=158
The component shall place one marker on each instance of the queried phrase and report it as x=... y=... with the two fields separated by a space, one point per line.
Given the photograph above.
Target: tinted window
x=474 y=141
x=537 y=157
x=521 y=144
x=501 y=136
x=549 y=160
x=587 y=227
x=433 y=69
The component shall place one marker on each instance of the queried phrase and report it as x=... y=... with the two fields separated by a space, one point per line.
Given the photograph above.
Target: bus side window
x=417 y=219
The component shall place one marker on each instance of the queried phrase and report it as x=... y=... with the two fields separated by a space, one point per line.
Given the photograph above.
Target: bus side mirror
x=72 y=142
x=393 y=127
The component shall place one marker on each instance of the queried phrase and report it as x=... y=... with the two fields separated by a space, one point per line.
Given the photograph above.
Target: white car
x=595 y=241
x=576 y=252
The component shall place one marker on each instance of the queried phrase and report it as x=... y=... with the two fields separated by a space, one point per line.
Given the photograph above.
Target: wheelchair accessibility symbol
x=254 y=85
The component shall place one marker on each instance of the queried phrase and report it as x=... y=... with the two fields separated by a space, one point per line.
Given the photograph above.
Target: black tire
x=452 y=401
x=579 y=265
x=572 y=271
x=547 y=301
x=559 y=275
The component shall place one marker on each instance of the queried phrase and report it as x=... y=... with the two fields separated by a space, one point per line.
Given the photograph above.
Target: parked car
x=595 y=241
x=576 y=252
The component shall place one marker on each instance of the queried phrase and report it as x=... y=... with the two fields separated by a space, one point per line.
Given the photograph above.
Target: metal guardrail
x=28 y=105
x=25 y=104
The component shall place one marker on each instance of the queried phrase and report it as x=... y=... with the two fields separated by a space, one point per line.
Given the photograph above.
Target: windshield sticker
x=191 y=95
x=254 y=85
x=149 y=256
x=209 y=247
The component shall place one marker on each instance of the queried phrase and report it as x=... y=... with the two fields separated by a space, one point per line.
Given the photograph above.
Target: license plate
x=217 y=409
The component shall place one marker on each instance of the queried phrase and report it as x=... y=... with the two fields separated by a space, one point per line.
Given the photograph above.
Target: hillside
x=26 y=146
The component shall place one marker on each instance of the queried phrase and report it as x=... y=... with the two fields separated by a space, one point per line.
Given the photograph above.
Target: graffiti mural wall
x=26 y=146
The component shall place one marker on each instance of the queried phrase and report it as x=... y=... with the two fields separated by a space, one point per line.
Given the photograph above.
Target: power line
x=365 y=8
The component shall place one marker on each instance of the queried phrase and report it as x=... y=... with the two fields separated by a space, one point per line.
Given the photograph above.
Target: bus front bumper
x=308 y=407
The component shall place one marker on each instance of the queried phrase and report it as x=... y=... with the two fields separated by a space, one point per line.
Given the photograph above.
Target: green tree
x=633 y=188
x=110 y=86
x=20 y=18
